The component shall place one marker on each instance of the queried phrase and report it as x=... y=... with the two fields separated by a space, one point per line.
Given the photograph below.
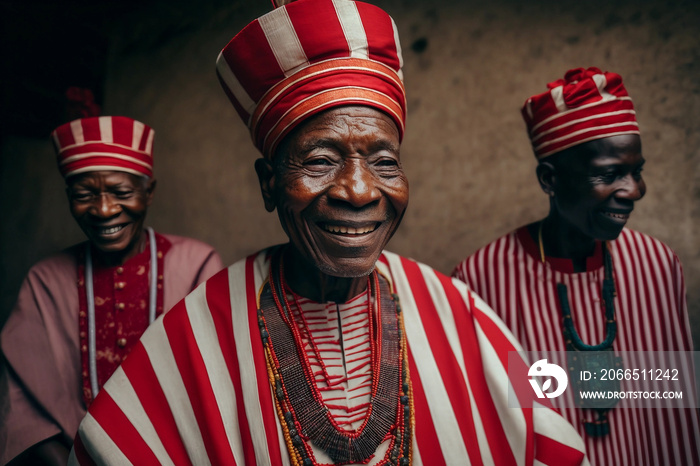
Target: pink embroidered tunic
x=42 y=340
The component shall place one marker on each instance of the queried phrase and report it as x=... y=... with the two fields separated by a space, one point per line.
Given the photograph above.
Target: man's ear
x=266 y=177
x=150 y=190
x=547 y=176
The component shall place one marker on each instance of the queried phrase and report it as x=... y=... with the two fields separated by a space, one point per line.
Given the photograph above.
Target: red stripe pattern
x=651 y=313
x=336 y=339
x=196 y=384
x=586 y=104
x=309 y=56
x=104 y=143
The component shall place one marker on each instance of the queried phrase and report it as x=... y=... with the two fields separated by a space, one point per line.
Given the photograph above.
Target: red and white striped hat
x=104 y=143
x=585 y=105
x=309 y=56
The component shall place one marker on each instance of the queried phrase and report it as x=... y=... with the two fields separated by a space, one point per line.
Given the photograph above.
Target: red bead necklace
x=303 y=415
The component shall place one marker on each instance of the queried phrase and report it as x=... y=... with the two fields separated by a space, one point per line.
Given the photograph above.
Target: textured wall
x=468 y=66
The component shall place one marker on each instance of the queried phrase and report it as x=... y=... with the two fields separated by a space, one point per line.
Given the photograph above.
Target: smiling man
x=339 y=228
x=80 y=312
x=614 y=288
x=327 y=349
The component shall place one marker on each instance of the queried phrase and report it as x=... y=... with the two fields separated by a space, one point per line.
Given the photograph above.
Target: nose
x=105 y=206
x=355 y=184
x=633 y=188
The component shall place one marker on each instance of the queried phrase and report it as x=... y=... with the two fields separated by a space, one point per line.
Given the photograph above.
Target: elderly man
x=612 y=288
x=81 y=311
x=325 y=350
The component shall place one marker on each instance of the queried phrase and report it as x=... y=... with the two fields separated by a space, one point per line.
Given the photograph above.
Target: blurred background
x=469 y=66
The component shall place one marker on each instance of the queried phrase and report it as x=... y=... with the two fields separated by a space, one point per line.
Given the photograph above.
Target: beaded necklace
x=594 y=357
x=608 y=292
x=303 y=415
x=90 y=294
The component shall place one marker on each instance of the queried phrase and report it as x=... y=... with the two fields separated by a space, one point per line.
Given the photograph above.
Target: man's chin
x=609 y=234
x=108 y=248
x=348 y=267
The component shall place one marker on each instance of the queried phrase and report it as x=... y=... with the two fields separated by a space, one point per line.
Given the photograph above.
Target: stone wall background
x=469 y=66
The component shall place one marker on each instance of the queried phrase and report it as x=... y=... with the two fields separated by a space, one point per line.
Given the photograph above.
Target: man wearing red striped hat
x=80 y=312
x=325 y=350
x=578 y=280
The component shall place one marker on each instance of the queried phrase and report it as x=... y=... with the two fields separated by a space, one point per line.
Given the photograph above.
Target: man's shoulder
x=510 y=237
x=191 y=254
x=391 y=260
x=230 y=287
x=411 y=276
x=400 y=267
x=253 y=268
x=49 y=290
x=507 y=243
x=187 y=244
x=629 y=234
x=633 y=241
x=57 y=263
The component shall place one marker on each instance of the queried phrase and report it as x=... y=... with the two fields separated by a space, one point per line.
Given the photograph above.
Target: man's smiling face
x=110 y=208
x=597 y=184
x=339 y=189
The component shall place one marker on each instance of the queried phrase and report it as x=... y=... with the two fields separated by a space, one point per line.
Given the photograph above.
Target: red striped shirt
x=651 y=313
x=340 y=360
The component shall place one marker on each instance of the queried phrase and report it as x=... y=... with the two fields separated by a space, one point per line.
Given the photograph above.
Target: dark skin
x=110 y=207
x=592 y=189
x=340 y=193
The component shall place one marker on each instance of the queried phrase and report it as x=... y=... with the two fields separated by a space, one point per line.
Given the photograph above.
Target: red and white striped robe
x=651 y=314
x=196 y=391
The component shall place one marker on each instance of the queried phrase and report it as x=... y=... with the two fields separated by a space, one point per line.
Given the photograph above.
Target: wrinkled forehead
x=340 y=125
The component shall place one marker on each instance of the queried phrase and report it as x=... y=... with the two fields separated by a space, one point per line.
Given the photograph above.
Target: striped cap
x=104 y=143
x=585 y=105
x=309 y=56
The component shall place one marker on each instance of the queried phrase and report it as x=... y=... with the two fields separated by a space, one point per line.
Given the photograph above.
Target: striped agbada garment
x=651 y=314
x=196 y=389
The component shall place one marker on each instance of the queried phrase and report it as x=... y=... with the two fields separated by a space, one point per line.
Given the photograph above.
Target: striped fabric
x=585 y=105
x=196 y=391
x=104 y=143
x=651 y=314
x=340 y=360
x=309 y=56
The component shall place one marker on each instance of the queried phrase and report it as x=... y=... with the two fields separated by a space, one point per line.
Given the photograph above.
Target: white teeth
x=620 y=216
x=111 y=231
x=349 y=230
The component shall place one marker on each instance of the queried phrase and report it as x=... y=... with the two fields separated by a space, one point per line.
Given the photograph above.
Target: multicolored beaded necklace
x=303 y=415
